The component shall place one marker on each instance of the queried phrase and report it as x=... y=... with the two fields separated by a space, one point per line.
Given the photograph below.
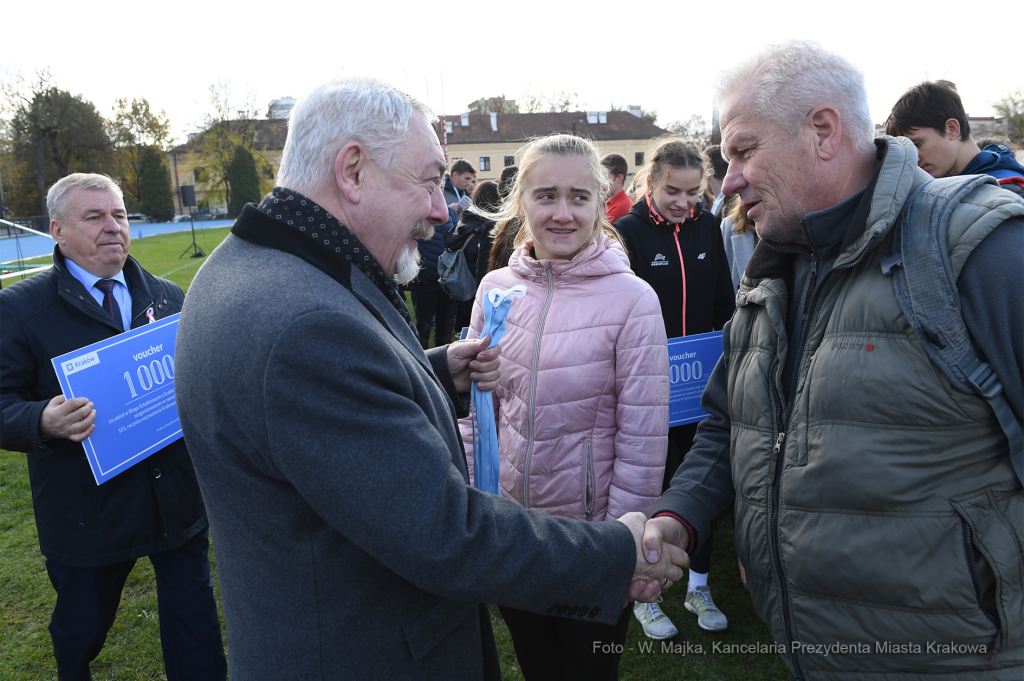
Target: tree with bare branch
x=225 y=126
x=133 y=128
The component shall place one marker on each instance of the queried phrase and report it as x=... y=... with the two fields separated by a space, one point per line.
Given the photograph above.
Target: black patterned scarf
x=295 y=210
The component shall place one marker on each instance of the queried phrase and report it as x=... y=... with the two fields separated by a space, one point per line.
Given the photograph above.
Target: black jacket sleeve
x=701 y=490
x=484 y=257
x=20 y=407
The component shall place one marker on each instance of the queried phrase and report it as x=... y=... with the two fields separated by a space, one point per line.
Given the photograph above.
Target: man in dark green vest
x=877 y=513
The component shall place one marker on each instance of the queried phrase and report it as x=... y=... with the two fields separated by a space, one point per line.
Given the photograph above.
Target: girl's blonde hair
x=738 y=215
x=555 y=145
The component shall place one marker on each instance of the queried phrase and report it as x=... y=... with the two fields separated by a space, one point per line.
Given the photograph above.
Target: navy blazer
x=153 y=506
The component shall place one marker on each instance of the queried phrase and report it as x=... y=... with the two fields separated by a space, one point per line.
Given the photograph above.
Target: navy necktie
x=109 y=301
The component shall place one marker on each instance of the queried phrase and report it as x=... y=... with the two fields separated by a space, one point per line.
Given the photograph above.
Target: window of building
x=510 y=161
x=485 y=163
x=199 y=174
x=269 y=172
x=638 y=158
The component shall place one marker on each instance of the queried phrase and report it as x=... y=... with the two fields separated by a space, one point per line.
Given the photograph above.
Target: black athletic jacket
x=660 y=251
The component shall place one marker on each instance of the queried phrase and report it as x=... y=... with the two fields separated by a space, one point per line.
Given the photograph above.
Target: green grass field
x=132 y=651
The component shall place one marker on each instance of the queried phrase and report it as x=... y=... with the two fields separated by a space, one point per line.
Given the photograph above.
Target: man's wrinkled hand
x=651 y=576
x=663 y=538
x=472 y=360
x=67 y=419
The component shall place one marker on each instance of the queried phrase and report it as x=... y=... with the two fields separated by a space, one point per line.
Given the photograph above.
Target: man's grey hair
x=793 y=78
x=365 y=110
x=57 y=197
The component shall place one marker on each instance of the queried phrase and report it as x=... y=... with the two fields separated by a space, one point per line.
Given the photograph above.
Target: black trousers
x=680 y=440
x=87 y=600
x=561 y=649
x=463 y=315
x=435 y=308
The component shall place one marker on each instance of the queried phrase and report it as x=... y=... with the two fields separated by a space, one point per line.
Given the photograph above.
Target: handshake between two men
x=661 y=559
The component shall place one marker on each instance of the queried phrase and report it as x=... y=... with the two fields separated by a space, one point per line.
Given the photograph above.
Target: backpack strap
x=925 y=281
x=465 y=243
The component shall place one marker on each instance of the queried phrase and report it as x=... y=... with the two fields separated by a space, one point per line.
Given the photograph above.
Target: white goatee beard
x=408 y=266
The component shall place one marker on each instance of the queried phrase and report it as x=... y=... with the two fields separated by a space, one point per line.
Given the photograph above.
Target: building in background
x=281 y=108
x=190 y=163
x=493 y=140
x=489 y=141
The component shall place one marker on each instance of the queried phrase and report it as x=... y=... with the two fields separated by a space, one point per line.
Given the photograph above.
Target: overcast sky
x=659 y=54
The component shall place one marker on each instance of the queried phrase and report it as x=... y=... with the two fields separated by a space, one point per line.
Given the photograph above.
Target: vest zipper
x=782 y=419
x=972 y=567
x=775 y=472
x=775 y=456
x=533 y=386
x=682 y=268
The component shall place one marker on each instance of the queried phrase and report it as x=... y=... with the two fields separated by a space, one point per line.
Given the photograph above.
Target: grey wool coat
x=349 y=544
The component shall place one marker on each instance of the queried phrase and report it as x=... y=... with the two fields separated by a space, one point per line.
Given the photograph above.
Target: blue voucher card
x=130 y=380
x=690 y=361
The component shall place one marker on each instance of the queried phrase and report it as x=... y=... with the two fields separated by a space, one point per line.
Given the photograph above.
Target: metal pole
x=444 y=124
x=177 y=183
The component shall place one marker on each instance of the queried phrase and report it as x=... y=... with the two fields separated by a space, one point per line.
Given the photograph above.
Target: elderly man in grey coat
x=349 y=544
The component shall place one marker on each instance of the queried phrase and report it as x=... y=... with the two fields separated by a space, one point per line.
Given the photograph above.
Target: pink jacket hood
x=583 y=399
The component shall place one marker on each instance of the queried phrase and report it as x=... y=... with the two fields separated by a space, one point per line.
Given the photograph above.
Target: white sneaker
x=656 y=624
x=709 y=617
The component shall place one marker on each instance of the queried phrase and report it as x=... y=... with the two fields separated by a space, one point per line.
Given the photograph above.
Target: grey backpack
x=925 y=281
x=454 y=275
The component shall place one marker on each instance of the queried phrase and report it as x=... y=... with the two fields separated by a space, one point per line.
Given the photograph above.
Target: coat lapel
x=378 y=304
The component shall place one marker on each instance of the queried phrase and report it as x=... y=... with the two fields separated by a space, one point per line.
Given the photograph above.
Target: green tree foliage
x=244 y=181
x=155 y=199
x=225 y=127
x=1011 y=108
x=49 y=133
x=133 y=129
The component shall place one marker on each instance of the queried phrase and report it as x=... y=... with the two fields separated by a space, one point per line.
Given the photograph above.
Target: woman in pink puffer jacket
x=582 y=404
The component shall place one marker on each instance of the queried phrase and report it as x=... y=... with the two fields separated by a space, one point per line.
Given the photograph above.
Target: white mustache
x=422 y=230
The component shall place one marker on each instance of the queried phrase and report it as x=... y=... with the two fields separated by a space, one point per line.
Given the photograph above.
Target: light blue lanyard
x=497 y=303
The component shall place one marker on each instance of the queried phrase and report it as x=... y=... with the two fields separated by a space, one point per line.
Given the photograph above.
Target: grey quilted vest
x=888 y=518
